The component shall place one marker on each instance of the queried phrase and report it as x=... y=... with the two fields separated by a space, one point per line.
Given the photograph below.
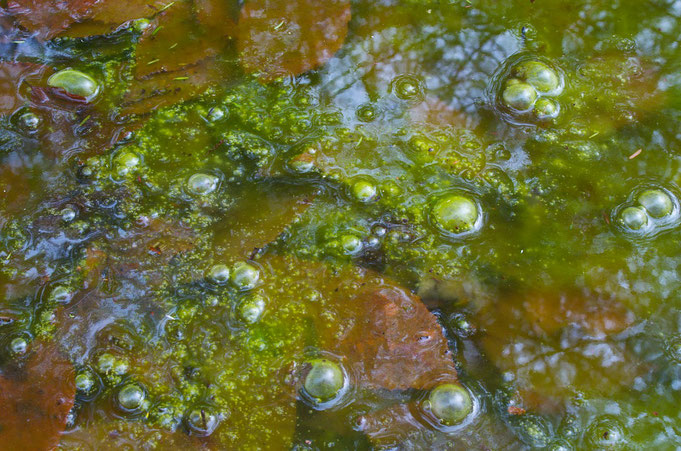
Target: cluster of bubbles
x=529 y=89
x=131 y=398
x=243 y=275
x=647 y=211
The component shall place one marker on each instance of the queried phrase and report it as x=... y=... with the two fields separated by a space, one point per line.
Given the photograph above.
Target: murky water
x=417 y=224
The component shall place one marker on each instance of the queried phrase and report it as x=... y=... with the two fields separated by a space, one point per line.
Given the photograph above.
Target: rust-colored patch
x=36 y=398
x=396 y=342
x=49 y=17
x=386 y=336
x=280 y=38
x=15 y=79
x=554 y=344
x=176 y=40
x=167 y=88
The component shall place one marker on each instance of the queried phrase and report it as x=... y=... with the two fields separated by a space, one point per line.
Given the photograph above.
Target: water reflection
x=564 y=319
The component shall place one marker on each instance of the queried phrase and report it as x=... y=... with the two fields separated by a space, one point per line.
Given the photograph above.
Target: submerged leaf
x=118 y=12
x=280 y=38
x=49 y=17
x=176 y=40
x=168 y=88
x=12 y=78
x=553 y=345
x=260 y=215
x=36 y=398
x=386 y=335
x=219 y=15
x=108 y=15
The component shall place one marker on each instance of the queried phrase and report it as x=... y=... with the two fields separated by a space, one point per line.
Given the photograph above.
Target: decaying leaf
x=166 y=89
x=175 y=40
x=116 y=12
x=218 y=15
x=142 y=256
x=47 y=18
x=261 y=214
x=36 y=398
x=553 y=345
x=109 y=15
x=385 y=335
x=13 y=77
x=280 y=38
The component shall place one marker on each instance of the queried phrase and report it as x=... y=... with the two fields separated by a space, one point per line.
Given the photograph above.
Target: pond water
x=340 y=224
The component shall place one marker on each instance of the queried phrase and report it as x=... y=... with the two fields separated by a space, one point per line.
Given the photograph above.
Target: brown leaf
x=555 y=344
x=386 y=336
x=118 y=12
x=49 y=17
x=549 y=312
x=164 y=89
x=37 y=398
x=219 y=15
x=259 y=217
x=396 y=342
x=14 y=77
x=143 y=255
x=176 y=40
x=280 y=38
x=108 y=15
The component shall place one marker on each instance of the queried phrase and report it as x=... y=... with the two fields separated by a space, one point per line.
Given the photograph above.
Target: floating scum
x=219 y=220
x=324 y=335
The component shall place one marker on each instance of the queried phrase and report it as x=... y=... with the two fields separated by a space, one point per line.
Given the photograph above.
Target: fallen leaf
x=280 y=38
x=175 y=40
x=37 y=398
x=107 y=15
x=261 y=214
x=168 y=88
x=48 y=18
x=118 y=12
x=385 y=335
x=219 y=15
x=15 y=78
x=396 y=343
x=550 y=312
x=554 y=345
